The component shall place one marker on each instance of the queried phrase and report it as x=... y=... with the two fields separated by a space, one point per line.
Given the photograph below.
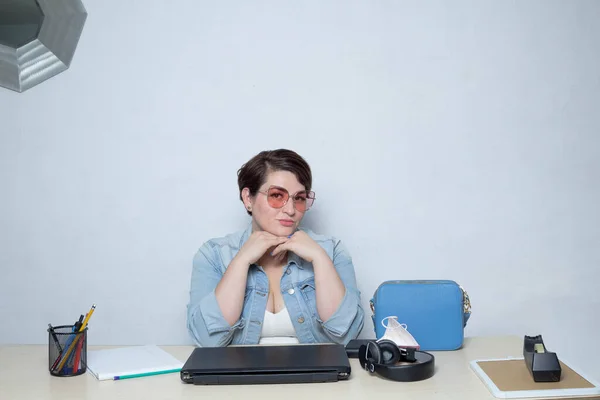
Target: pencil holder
x=67 y=350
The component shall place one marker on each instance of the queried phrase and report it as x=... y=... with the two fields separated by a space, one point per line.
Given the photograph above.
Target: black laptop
x=303 y=363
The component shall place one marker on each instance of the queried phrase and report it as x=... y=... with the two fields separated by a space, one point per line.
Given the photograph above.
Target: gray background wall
x=455 y=140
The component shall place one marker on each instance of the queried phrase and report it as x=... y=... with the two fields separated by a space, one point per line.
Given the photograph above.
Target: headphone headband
x=418 y=365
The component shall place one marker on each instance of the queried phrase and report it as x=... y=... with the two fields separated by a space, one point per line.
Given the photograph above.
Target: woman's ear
x=247 y=199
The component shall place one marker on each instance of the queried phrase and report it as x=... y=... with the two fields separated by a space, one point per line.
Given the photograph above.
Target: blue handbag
x=435 y=311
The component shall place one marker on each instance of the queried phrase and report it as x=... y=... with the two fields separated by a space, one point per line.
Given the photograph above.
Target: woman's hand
x=257 y=245
x=302 y=245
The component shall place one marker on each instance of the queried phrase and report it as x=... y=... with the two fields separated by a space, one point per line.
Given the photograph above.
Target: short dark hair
x=253 y=173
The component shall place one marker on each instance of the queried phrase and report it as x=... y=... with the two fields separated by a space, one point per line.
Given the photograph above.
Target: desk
x=24 y=375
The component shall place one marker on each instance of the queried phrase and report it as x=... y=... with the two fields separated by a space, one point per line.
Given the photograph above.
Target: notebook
x=131 y=362
x=510 y=379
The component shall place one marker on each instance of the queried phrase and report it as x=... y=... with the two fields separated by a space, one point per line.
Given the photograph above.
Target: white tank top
x=278 y=328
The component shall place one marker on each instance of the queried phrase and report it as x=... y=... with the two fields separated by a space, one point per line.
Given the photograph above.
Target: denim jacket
x=208 y=327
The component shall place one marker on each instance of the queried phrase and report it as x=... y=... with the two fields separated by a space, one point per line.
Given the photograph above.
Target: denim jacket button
x=291 y=291
x=301 y=319
x=288 y=271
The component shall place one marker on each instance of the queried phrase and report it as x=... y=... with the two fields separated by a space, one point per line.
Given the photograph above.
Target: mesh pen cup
x=67 y=351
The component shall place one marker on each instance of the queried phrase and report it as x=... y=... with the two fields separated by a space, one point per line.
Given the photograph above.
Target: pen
x=51 y=330
x=76 y=327
x=77 y=355
x=78 y=324
x=118 y=378
x=72 y=346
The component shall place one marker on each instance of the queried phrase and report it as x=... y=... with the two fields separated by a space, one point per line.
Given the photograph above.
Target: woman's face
x=278 y=221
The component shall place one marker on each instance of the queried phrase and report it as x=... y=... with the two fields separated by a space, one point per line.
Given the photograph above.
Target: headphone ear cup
x=369 y=355
x=389 y=352
x=374 y=353
x=362 y=356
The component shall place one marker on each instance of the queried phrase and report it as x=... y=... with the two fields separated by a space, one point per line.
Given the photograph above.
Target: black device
x=354 y=345
x=541 y=363
x=388 y=360
x=266 y=364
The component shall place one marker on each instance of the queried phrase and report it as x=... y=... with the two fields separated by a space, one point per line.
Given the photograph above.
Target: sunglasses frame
x=308 y=196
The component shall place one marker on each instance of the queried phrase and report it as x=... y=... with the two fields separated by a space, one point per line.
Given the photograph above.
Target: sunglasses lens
x=303 y=200
x=277 y=197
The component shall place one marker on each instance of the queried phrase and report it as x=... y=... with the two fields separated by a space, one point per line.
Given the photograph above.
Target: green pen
x=118 y=378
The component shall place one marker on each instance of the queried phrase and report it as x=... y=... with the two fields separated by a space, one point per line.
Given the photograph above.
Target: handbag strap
x=466 y=307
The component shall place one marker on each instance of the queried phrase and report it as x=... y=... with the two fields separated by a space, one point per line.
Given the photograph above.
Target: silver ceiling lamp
x=38 y=39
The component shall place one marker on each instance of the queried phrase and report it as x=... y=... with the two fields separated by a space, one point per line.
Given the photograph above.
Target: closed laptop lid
x=268 y=359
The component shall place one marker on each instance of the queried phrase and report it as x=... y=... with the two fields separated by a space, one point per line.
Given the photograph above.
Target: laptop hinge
x=266 y=378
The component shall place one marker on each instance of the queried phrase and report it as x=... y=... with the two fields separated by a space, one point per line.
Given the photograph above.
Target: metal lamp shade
x=26 y=64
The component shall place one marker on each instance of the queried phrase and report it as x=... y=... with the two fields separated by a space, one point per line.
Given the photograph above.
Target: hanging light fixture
x=38 y=39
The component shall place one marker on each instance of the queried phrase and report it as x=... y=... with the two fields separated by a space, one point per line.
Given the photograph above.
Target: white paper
x=107 y=363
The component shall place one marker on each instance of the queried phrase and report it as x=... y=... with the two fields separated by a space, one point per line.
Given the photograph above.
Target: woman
x=274 y=282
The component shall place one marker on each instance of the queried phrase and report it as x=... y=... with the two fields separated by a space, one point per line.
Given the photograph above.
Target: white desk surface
x=24 y=375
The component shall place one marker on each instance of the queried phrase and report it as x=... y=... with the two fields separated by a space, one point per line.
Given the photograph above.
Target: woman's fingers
x=276 y=241
x=280 y=248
